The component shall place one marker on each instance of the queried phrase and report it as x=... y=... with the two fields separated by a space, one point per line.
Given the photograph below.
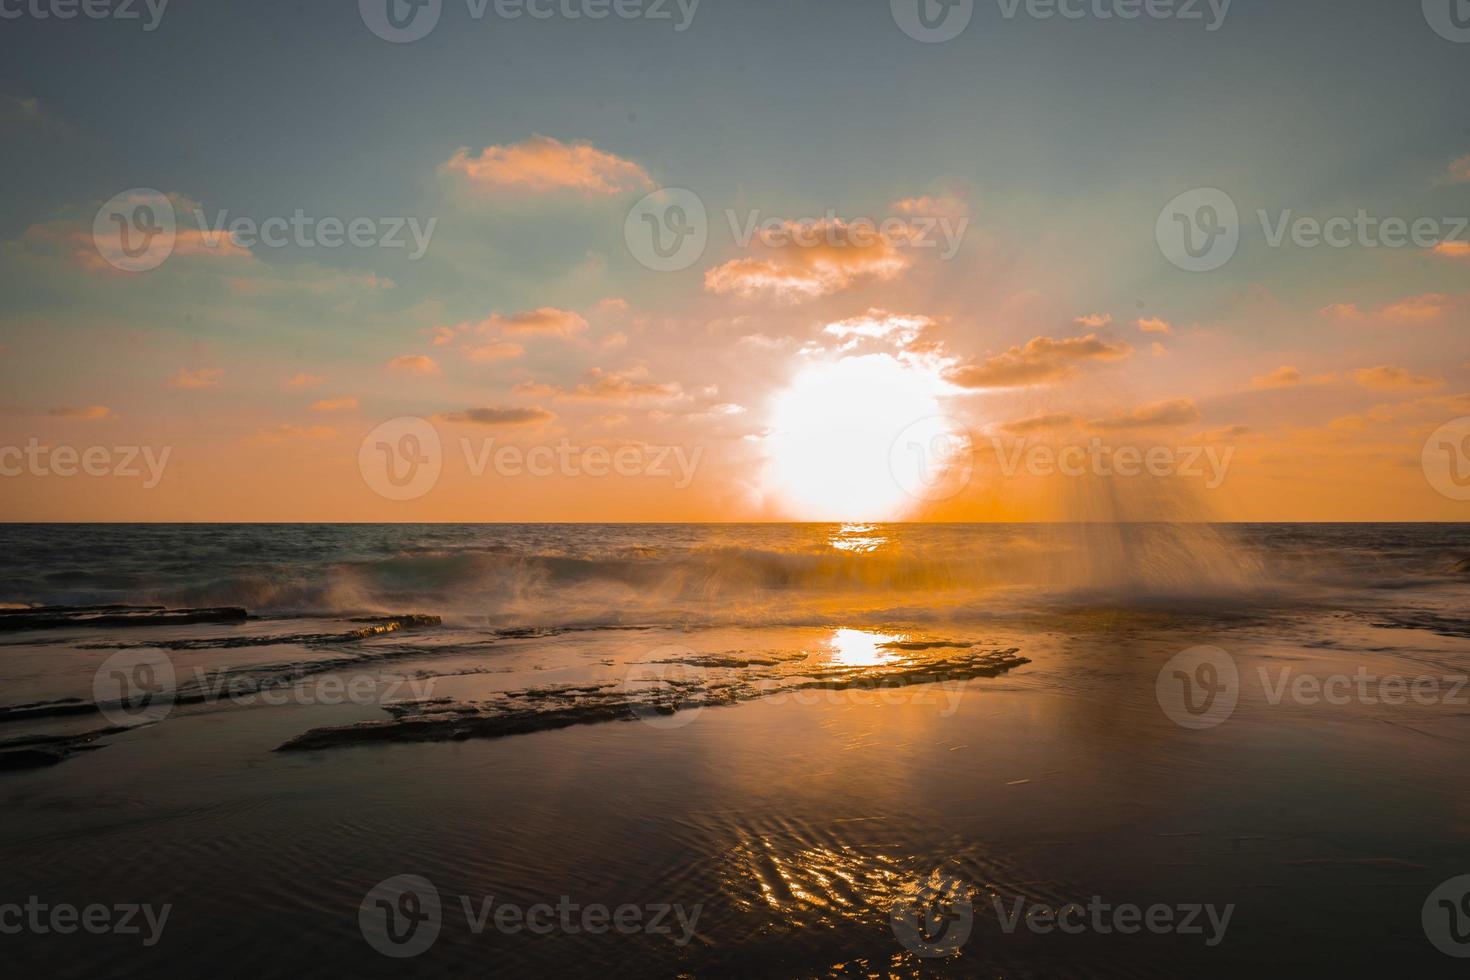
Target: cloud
x=304 y=380
x=896 y=328
x=1453 y=250
x=1411 y=309
x=1218 y=435
x=90 y=413
x=203 y=378
x=548 y=321
x=502 y=350
x=1178 y=411
x=498 y=416
x=1459 y=171
x=1094 y=321
x=334 y=405
x=1282 y=377
x=1041 y=423
x=931 y=206
x=287 y=431
x=414 y=364
x=600 y=385
x=1388 y=377
x=1155 y=325
x=817 y=259
x=1042 y=361
x=545 y=165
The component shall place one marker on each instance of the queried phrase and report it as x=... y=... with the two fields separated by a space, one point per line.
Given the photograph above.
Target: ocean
x=731 y=750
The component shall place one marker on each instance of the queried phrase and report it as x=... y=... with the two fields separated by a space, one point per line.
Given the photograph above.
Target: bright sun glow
x=835 y=452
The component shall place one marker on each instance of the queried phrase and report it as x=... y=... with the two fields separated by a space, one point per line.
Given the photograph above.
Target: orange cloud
x=1095 y=321
x=334 y=405
x=287 y=431
x=414 y=364
x=818 y=259
x=1411 y=309
x=498 y=351
x=1179 y=411
x=603 y=385
x=542 y=164
x=929 y=206
x=1459 y=172
x=1042 y=361
x=304 y=380
x=1041 y=423
x=90 y=413
x=498 y=416
x=203 y=378
x=1453 y=250
x=1155 y=325
x=548 y=321
x=1282 y=377
x=1387 y=376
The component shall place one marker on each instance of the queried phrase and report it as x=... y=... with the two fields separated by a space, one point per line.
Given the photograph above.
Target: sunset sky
x=1040 y=152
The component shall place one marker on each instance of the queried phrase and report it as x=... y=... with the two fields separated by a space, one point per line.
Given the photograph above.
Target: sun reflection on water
x=860 y=539
x=859 y=648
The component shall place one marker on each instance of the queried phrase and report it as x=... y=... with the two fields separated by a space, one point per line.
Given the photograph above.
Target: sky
x=1208 y=262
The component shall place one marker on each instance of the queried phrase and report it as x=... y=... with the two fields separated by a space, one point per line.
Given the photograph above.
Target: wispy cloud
x=498 y=416
x=542 y=164
x=202 y=378
x=1043 y=360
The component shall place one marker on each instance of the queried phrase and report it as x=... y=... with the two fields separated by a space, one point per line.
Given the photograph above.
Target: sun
x=859 y=438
